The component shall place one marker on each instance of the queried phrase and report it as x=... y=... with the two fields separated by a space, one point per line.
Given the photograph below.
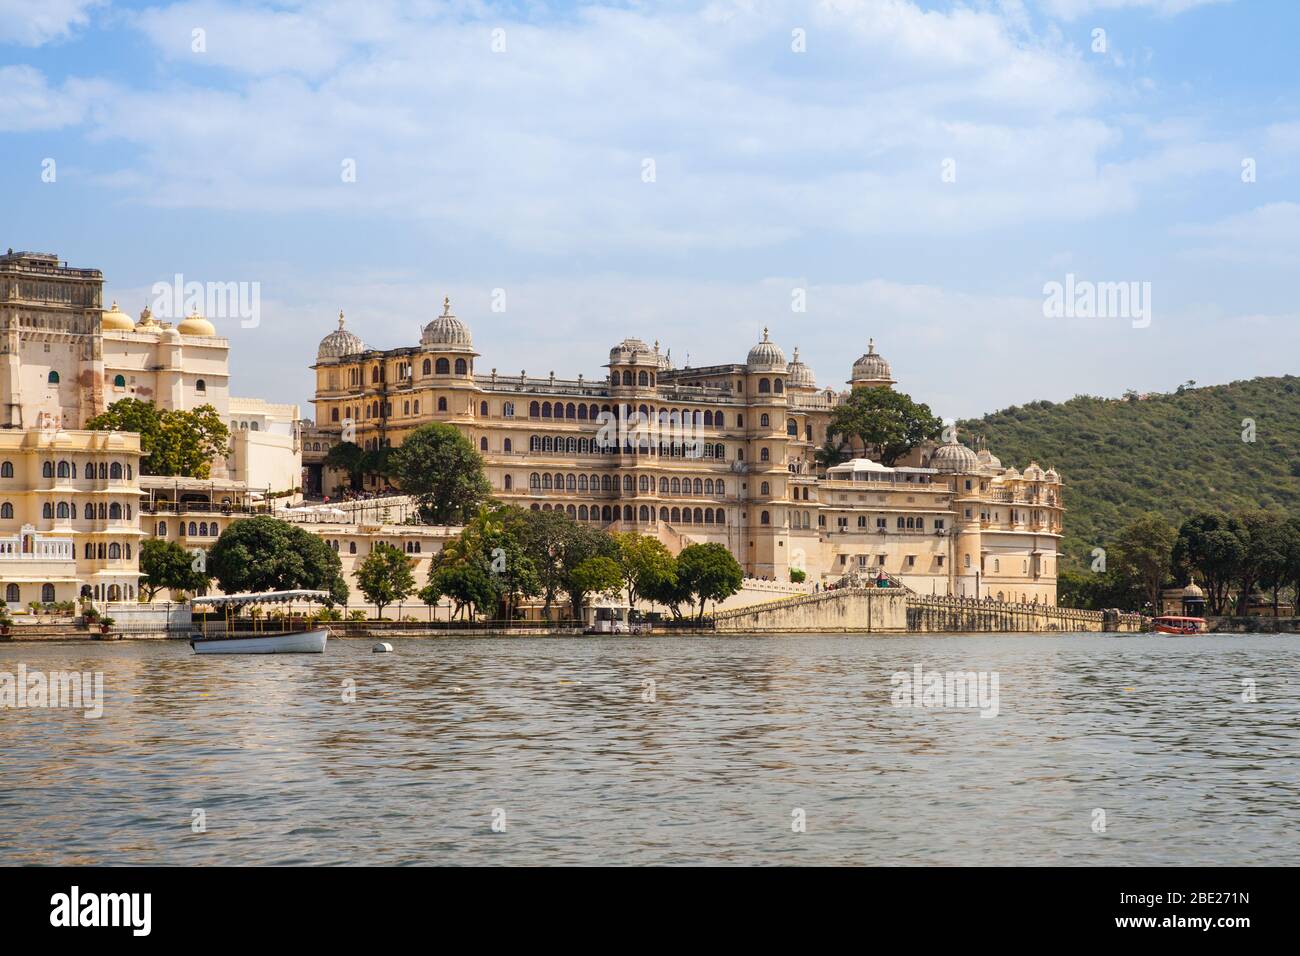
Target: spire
x=446 y=305
x=871 y=346
x=340 y=318
x=765 y=333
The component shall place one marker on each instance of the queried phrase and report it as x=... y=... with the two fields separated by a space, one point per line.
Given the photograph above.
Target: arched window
x=767 y=490
x=115 y=551
x=778 y=386
x=6 y=510
x=115 y=470
x=47 y=469
x=119 y=381
x=47 y=590
x=627 y=378
x=115 y=511
x=764 y=455
x=509 y=483
x=643 y=379
x=443 y=367
x=352 y=547
x=505 y=445
x=47 y=510
x=534 y=482
x=200 y=386
x=461 y=367
x=483 y=409
x=764 y=385
x=162 y=529
x=791 y=428
x=534 y=410
x=6 y=469
x=764 y=518
x=442 y=404
x=53 y=379
x=11 y=594
x=427 y=367
x=62 y=509
x=764 y=421
x=482 y=443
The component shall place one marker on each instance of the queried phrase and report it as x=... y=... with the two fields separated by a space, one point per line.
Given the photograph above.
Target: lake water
x=552 y=738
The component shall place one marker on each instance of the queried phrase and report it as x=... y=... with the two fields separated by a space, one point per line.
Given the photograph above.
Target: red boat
x=1168 y=624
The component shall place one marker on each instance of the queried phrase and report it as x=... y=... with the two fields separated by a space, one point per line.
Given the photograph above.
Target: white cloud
x=36 y=22
x=29 y=103
x=1267 y=235
x=1074 y=9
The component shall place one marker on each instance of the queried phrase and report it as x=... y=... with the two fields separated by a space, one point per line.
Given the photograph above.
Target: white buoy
x=382 y=648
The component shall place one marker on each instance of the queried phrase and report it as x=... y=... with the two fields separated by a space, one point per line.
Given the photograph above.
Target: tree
x=172 y=441
x=468 y=583
x=1141 y=555
x=348 y=457
x=1209 y=545
x=642 y=561
x=556 y=545
x=438 y=466
x=832 y=452
x=886 y=420
x=385 y=577
x=1263 y=557
x=165 y=565
x=266 y=554
x=599 y=575
x=709 y=573
x=492 y=537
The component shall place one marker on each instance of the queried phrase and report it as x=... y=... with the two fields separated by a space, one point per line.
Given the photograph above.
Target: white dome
x=766 y=355
x=339 y=343
x=447 y=333
x=954 y=458
x=800 y=375
x=872 y=367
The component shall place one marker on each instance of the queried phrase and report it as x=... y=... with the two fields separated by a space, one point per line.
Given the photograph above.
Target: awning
x=262 y=597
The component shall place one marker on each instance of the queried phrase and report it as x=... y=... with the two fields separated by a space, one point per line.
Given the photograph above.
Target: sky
x=569 y=174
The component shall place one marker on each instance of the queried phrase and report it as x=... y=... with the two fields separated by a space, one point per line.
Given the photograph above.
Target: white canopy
x=263 y=597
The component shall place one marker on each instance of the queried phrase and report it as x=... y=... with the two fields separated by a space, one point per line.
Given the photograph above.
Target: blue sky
x=522 y=169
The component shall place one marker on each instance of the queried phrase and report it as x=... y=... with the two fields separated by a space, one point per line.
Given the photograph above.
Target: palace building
x=722 y=453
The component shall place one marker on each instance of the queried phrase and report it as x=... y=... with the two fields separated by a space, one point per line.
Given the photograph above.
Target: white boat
x=292 y=642
x=302 y=641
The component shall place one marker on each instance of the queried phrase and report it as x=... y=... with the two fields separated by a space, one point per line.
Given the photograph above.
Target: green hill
x=1174 y=454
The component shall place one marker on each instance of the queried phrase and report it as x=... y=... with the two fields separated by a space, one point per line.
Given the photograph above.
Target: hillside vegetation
x=1174 y=454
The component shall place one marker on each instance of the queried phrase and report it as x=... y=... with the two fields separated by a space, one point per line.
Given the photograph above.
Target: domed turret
x=1052 y=475
x=195 y=324
x=1033 y=472
x=871 y=369
x=147 y=321
x=115 y=319
x=800 y=375
x=766 y=355
x=339 y=343
x=447 y=333
x=633 y=351
x=988 y=460
x=954 y=458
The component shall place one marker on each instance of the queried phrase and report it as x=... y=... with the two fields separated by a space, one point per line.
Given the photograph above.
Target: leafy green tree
x=1141 y=555
x=832 y=452
x=493 y=536
x=173 y=442
x=886 y=420
x=385 y=577
x=350 y=458
x=165 y=565
x=1263 y=558
x=599 y=576
x=438 y=466
x=266 y=554
x=642 y=561
x=1211 y=546
x=708 y=572
x=469 y=584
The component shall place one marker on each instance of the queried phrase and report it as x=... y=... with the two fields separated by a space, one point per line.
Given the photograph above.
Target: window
x=47 y=590
x=482 y=444
x=11 y=594
x=443 y=367
x=442 y=404
x=6 y=510
x=200 y=386
x=765 y=518
x=764 y=385
x=7 y=469
x=427 y=367
x=119 y=381
x=764 y=421
x=53 y=379
x=507 y=409
x=461 y=367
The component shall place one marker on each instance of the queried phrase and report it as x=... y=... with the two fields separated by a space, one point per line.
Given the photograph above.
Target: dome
x=988 y=459
x=114 y=319
x=954 y=458
x=339 y=343
x=800 y=375
x=766 y=354
x=447 y=333
x=1011 y=472
x=169 y=334
x=1052 y=475
x=633 y=351
x=871 y=367
x=195 y=324
x=1033 y=472
x=1193 y=591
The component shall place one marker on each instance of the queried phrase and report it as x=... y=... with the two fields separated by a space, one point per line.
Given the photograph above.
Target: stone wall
x=849 y=610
